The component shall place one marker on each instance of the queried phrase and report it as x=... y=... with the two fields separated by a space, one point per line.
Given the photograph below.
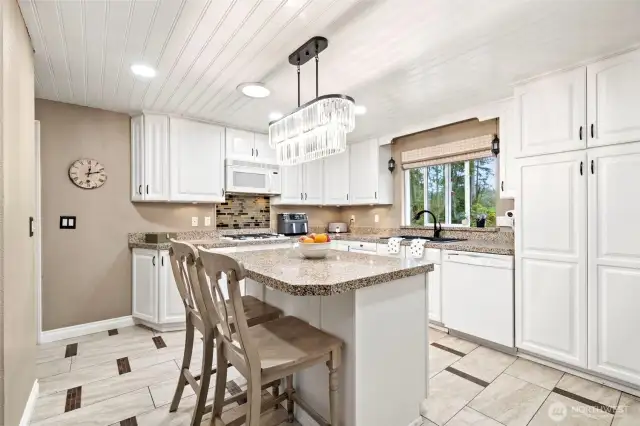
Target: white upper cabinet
x=613 y=88
x=336 y=179
x=551 y=257
x=264 y=153
x=291 y=191
x=508 y=167
x=137 y=158
x=197 y=161
x=369 y=180
x=614 y=261
x=550 y=114
x=312 y=182
x=243 y=145
x=156 y=157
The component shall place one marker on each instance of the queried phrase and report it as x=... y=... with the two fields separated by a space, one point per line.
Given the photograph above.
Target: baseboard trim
x=84 y=329
x=174 y=326
x=31 y=404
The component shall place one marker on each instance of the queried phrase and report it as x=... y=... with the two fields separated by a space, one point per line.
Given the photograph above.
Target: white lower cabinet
x=156 y=300
x=383 y=250
x=435 y=294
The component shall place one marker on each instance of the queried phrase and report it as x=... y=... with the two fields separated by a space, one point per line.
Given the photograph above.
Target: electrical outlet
x=194 y=221
x=376 y=218
x=207 y=221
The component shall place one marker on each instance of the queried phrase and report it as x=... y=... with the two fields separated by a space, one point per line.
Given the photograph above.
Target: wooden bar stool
x=183 y=260
x=265 y=352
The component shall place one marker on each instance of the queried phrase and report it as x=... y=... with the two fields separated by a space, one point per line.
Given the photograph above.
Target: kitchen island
x=377 y=305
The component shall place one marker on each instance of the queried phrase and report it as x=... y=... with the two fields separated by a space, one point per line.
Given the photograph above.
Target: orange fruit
x=308 y=240
x=321 y=238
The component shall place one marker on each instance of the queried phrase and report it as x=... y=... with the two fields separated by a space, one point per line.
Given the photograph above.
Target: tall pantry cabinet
x=577 y=250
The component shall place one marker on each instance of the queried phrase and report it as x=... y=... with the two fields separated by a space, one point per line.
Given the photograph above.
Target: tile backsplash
x=243 y=211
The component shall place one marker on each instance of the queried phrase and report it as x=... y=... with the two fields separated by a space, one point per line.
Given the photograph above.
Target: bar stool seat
x=257 y=311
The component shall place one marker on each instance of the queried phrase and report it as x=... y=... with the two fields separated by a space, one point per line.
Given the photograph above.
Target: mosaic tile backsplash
x=242 y=212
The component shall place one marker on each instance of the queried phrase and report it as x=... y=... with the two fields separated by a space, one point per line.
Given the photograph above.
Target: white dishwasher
x=477 y=295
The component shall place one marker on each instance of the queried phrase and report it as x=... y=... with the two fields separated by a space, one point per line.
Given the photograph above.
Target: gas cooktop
x=251 y=237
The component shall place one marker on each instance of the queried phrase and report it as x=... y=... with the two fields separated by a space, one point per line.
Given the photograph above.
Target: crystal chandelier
x=318 y=128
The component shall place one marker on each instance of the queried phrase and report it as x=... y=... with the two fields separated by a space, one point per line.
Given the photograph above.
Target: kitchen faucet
x=437 y=226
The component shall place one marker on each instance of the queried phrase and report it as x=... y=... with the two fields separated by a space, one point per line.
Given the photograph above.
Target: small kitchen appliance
x=293 y=224
x=337 y=228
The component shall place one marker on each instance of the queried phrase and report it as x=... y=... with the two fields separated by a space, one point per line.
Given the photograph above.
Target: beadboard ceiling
x=405 y=60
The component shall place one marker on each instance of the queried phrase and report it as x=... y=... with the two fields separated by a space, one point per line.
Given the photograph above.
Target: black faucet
x=437 y=226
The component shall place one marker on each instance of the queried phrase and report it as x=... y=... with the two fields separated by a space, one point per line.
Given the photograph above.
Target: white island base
x=384 y=372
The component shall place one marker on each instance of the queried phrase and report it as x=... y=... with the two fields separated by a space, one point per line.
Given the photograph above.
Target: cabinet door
x=292 y=192
x=613 y=89
x=264 y=153
x=197 y=161
x=508 y=169
x=551 y=251
x=336 y=175
x=614 y=261
x=240 y=144
x=363 y=166
x=137 y=158
x=145 y=284
x=170 y=306
x=156 y=157
x=312 y=182
x=551 y=114
x=435 y=294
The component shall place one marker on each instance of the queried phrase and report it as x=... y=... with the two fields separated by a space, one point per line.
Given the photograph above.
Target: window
x=453 y=192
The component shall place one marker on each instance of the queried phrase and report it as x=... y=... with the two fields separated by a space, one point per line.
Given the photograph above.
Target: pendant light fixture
x=318 y=128
x=495 y=143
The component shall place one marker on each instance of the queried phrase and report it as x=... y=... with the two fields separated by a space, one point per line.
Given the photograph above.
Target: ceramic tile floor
x=123 y=377
x=475 y=385
x=127 y=377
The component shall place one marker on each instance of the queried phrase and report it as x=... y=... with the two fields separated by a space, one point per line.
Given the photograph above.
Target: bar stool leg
x=334 y=409
x=221 y=383
x=290 y=391
x=205 y=379
x=186 y=363
x=276 y=392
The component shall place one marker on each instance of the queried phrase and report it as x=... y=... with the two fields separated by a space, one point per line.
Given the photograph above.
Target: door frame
x=38 y=231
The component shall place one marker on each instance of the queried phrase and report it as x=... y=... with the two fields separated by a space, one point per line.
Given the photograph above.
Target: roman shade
x=463 y=150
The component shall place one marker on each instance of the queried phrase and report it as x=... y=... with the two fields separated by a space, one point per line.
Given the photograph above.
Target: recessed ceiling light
x=143 y=70
x=275 y=116
x=360 y=109
x=254 y=90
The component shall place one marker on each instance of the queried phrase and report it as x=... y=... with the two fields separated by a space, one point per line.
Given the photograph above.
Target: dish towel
x=417 y=248
x=393 y=245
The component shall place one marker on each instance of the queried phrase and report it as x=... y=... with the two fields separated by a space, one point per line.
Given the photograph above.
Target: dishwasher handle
x=480 y=260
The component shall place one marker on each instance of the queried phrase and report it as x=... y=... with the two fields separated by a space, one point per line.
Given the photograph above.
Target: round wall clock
x=87 y=173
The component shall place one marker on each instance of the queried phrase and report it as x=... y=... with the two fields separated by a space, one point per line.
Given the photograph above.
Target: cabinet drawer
x=362 y=246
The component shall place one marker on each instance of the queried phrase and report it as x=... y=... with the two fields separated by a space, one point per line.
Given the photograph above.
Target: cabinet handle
x=347 y=197
x=223 y=192
x=147 y=189
x=502 y=186
x=140 y=189
x=153 y=261
x=592 y=172
x=256 y=152
x=580 y=132
x=301 y=196
x=592 y=131
x=252 y=150
x=305 y=195
x=581 y=168
x=375 y=195
x=162 y=261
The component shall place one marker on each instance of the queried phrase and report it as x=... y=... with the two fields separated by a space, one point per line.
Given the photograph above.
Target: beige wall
x=17 y=203
x=391 y=216
x=87 y=271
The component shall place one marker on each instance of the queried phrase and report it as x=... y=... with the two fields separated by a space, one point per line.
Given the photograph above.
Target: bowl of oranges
x=314 y=246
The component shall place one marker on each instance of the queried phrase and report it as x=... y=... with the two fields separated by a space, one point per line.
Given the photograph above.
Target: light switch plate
x=376 y=218
x=194 y=221
x=207 y=221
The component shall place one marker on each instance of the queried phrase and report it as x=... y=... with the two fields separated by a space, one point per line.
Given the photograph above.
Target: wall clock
x=87 y=174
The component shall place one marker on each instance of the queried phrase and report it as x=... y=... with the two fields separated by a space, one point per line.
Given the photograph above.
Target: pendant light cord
x=298 y=82
x=317 y=62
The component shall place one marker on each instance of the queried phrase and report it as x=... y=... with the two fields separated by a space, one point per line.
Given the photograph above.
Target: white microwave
x=248 y=177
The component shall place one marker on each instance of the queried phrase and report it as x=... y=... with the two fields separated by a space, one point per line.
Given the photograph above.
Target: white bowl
x=314 y=250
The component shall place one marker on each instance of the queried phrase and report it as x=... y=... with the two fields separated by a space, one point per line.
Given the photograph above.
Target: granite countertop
x=471 y=245
x=286 y=270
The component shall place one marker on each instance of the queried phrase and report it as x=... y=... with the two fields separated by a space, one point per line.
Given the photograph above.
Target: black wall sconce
x=391 y=165
x=495 y=145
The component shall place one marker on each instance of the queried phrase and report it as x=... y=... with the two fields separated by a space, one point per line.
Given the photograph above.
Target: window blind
x=463 y=150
